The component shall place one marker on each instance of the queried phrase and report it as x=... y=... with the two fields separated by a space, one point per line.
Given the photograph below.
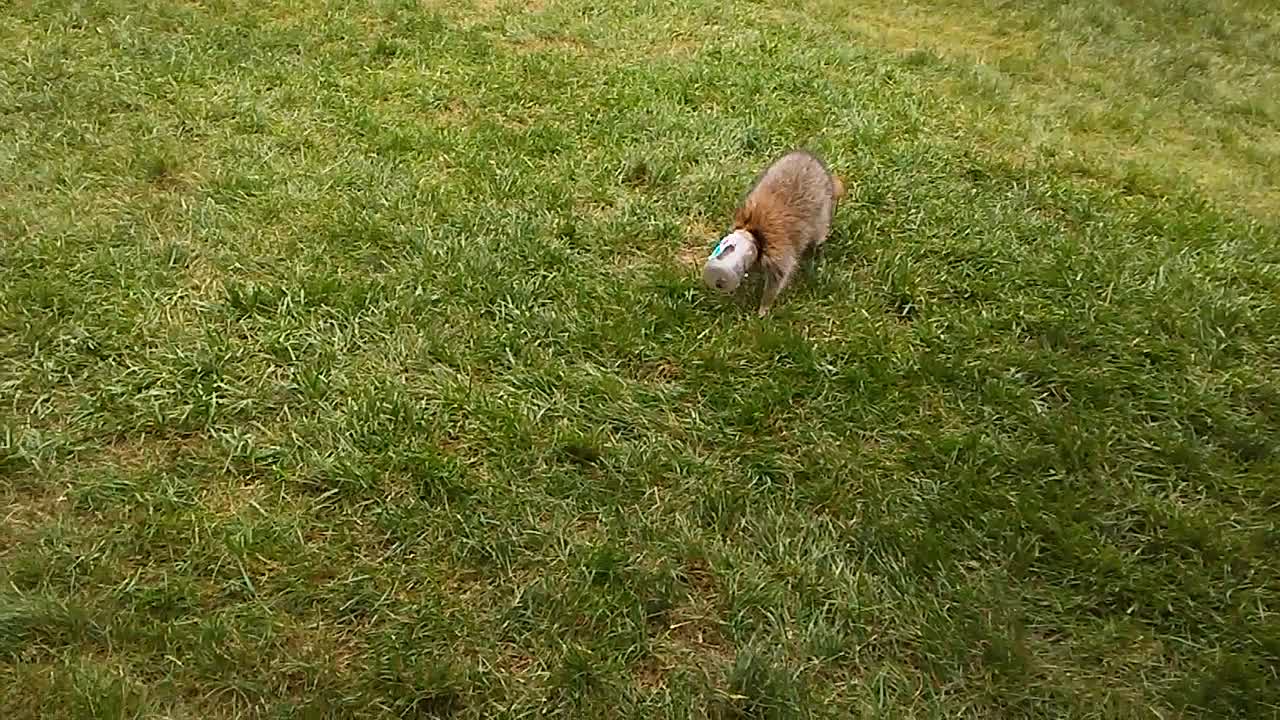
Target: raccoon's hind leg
x=777 y=275
x=823 y=230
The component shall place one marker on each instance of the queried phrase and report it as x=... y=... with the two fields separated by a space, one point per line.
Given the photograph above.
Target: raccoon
x=787 y=212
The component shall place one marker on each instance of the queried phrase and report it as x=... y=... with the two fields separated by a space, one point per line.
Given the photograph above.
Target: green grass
x=353 y=362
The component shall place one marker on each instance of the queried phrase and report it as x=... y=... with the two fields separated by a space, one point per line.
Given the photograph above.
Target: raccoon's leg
x=777 y=276
x=823 y=230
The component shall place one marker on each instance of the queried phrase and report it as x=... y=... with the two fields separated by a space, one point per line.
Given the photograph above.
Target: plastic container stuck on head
x=730 y=261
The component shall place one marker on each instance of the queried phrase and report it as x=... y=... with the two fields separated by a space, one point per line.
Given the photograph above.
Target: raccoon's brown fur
x=788 y=211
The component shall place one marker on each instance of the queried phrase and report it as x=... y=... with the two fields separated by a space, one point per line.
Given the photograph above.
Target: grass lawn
x=354 y=363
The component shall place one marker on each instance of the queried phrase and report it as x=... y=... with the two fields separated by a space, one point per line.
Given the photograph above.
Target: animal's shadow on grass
x=816 y=279
x=848 y=262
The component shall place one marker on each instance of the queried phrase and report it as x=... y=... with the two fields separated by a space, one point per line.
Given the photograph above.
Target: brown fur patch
x=790 y=207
